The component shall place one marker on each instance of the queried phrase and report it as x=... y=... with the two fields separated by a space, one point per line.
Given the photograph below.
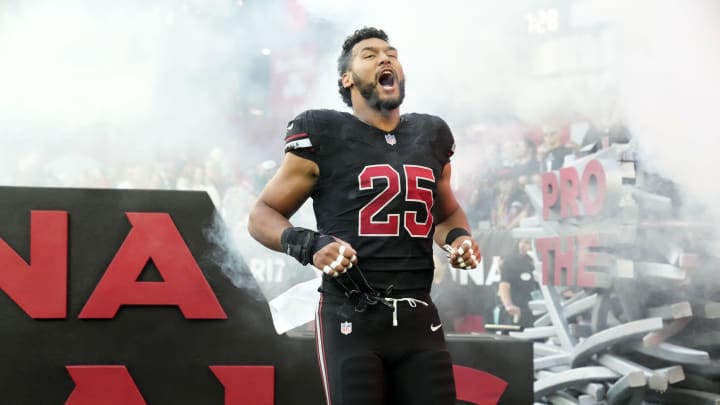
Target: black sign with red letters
x=132 y=297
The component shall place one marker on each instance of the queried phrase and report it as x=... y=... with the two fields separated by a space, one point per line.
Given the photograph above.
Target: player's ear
x=346 y=80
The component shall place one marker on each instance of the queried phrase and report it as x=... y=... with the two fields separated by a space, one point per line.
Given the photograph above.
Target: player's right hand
x=335 y=258
x=512 y=310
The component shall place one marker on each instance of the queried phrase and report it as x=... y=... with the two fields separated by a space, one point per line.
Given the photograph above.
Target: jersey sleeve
x=445 y=139
x=300 y=135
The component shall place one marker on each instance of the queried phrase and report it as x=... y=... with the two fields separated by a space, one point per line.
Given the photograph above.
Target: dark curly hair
x=346 y=55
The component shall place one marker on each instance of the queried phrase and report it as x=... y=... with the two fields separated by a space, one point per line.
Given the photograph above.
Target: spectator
x=511 y=203
x=194 y=178
x=526 y=164
x=263 y=172
x=517 y=282
x=593 y=139
x=553 y=150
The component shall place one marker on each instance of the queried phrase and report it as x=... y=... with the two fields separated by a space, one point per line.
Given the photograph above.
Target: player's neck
x=384 y=120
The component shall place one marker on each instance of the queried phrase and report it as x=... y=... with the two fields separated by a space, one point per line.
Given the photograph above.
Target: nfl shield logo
x=346 y=328
x=390 y=139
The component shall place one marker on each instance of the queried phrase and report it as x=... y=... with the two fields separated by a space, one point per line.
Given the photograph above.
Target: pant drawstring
x=411 y=301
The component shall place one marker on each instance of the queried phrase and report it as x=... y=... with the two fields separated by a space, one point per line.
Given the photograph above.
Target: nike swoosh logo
x=435 y=328
x=291 y=125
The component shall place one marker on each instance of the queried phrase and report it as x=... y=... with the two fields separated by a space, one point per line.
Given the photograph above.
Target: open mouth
x=387 y=79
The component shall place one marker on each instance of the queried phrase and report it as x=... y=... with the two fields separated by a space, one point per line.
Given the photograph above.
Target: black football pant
x=365 y=360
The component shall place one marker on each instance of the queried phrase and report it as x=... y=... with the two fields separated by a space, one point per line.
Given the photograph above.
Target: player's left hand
x=465 y=253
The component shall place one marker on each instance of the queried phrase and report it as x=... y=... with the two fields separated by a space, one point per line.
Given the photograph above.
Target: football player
x=380 y=185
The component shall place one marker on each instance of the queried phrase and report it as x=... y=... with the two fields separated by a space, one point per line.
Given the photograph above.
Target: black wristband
x=454 y=234
x=302 y=243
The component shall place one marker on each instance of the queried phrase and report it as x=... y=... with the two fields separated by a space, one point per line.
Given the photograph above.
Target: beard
x=369 y=92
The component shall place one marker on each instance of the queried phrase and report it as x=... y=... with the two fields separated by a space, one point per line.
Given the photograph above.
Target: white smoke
x=111 y=81
x=125 y=93
x=98 y=81
x=670 y=85
x=652 y=64
x=458 y=57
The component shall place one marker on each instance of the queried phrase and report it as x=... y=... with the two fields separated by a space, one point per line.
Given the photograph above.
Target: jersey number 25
x=370 y=225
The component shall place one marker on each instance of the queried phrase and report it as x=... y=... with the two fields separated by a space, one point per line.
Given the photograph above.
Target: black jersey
x=376 y=189
x=517 y=270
